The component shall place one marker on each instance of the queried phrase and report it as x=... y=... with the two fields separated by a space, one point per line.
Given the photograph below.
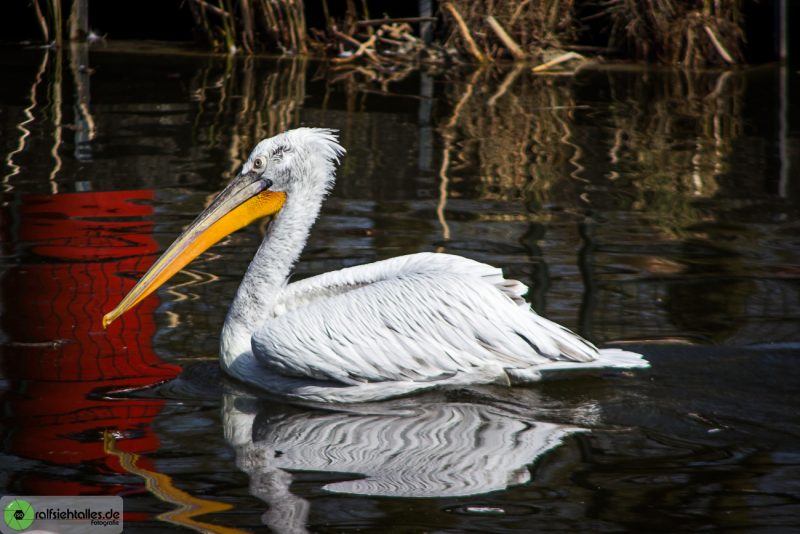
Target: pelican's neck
x=267 y=274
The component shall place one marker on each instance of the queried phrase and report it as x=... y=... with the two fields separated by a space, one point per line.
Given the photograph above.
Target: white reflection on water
x=444 y=449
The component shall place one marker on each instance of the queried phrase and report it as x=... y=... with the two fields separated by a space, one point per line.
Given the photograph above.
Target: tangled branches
x=692 y=33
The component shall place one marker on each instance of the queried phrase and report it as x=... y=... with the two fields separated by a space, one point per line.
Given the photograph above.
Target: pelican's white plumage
x=419 y=318
x=384 y=329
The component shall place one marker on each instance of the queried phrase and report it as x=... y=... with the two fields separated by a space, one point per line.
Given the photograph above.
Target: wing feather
x=423 y=317
x=327 y=285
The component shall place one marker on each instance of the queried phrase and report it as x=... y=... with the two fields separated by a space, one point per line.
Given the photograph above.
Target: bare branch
x=508 y=42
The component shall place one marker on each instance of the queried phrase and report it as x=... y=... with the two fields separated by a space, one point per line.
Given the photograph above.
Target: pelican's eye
x=259 y=163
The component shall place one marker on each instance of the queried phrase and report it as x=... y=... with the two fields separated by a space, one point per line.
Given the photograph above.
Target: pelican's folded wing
x=418 y=325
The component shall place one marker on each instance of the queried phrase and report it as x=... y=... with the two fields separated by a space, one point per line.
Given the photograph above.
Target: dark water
x=657 y=208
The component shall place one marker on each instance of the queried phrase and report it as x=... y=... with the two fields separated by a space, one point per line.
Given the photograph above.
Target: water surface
x=647 y=207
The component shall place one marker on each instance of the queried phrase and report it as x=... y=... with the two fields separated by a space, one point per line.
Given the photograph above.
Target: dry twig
x=718 y=45
x=465 y=34
x=563 y=58
x=508 y=42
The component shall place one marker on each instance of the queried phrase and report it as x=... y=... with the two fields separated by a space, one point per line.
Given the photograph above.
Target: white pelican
x=368 y=332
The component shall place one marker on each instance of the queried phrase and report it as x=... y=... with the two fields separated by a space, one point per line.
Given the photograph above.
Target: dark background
x=172 y=21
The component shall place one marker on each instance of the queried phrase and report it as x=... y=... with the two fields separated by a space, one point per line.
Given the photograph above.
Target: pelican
x=368 y=332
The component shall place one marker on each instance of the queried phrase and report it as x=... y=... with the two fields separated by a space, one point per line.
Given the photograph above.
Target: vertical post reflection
x=449 y=134
x=55 y=117
x=85 y=129
x=23 y=126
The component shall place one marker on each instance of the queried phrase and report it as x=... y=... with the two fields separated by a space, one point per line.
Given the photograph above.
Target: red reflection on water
x=58 y=360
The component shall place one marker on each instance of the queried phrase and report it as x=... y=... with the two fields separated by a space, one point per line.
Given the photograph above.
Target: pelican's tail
x=621 y=359
x=606 y=359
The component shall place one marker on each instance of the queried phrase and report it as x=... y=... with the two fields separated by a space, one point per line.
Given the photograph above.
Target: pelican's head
x=299 y=158
x=277 y=167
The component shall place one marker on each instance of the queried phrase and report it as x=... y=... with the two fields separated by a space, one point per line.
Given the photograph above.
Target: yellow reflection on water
x=160 y=485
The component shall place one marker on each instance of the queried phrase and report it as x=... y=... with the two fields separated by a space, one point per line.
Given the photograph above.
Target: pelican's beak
x=246 y=199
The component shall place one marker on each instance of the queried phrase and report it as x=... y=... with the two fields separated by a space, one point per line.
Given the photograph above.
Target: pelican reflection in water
x=368 y=332
x=430 y=449
x=436 y=449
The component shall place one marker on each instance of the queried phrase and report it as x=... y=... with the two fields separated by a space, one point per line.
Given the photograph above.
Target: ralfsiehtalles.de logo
x=100 y=514
x=18 y=514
